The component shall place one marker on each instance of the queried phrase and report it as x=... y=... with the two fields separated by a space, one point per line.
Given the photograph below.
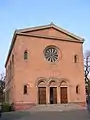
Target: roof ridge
x=30 y=28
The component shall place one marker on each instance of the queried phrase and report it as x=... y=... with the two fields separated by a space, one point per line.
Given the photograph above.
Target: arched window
x=10 y=69
x=77 y=89
x=25 y=55
x=9 y=72
x=12 y=65
x=75 y=58
x=13 y=59
x=25 y=89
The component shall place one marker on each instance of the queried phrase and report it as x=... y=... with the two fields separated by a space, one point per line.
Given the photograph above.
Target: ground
x=48 y=115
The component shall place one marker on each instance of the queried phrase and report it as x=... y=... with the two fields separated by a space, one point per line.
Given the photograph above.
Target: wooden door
x=64 y=95
x=42 y=95
x=54 y=95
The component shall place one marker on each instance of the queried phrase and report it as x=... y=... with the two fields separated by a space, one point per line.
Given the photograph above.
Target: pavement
x=47 y=115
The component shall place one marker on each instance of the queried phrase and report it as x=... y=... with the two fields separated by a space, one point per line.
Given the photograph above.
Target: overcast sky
x=72 y=15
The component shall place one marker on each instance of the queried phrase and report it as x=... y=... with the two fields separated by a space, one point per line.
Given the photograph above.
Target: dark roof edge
x=11 y=46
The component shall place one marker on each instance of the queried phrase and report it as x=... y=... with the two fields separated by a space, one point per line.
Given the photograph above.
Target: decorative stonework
x=41 y=81
x=63 y=83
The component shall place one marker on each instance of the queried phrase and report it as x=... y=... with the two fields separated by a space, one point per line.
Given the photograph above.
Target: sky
x=72 y=15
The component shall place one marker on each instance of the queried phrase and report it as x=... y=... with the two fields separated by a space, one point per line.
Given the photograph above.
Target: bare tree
x=87 y=71
x=2 y=87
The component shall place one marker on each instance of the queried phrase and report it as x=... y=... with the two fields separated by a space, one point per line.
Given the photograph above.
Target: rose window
x=51 y=54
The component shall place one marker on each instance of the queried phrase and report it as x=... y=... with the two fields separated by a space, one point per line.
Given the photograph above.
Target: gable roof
x=51 y=25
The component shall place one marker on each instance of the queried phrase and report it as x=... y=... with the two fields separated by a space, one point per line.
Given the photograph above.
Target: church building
x=45 y=65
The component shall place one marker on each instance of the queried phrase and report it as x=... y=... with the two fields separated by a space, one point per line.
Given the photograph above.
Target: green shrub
x=6 y=107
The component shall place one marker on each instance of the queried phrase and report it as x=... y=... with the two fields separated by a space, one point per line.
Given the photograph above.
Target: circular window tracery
x=51 y=54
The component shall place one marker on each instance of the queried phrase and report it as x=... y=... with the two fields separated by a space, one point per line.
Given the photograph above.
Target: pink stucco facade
x=37 y=71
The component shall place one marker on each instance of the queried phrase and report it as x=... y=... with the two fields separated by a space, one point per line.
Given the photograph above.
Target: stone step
x=56 y=107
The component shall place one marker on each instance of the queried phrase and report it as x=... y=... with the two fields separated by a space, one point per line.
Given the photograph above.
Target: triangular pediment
x=51 y=30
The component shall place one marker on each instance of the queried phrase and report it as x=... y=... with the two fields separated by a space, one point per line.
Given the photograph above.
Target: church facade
x=45 y=66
